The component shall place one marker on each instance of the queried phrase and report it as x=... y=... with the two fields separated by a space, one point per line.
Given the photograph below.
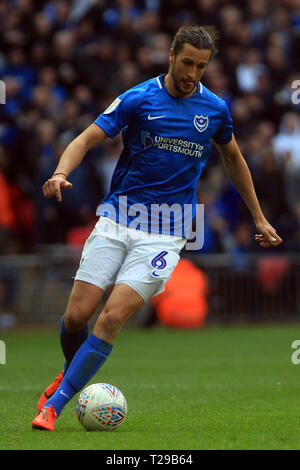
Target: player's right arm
x=71 y=158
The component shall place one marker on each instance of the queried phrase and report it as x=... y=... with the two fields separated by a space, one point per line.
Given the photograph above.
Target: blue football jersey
x=167 y=142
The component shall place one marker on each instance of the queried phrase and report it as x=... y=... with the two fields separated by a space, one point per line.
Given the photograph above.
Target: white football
x=101 y=407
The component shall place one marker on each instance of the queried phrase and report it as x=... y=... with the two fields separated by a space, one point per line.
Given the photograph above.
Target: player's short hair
x=196 y=36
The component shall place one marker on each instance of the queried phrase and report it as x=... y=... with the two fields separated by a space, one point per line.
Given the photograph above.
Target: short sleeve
x=118 y=114
x=224 y=133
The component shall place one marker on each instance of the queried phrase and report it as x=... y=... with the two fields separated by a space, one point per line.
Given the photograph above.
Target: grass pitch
x=216 y=388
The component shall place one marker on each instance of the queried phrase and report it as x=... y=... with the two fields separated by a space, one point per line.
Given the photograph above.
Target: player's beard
x=177 y=81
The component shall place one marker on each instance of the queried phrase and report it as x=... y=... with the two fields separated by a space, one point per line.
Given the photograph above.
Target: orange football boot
x=45 y=419
x=50 y=390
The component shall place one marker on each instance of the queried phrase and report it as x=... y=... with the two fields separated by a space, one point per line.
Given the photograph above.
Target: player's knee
x=75 y=319
x=111 y=321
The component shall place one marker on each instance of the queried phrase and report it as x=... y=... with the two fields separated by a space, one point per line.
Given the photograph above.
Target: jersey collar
x=161 y=85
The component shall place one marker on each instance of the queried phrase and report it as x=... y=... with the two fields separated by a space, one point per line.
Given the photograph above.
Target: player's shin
x=86 y=362
x=71 y=342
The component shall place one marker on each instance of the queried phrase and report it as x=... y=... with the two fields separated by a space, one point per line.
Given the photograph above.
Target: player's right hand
x=54 y=185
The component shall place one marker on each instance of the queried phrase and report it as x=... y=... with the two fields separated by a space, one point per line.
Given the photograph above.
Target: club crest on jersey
x=201 y=122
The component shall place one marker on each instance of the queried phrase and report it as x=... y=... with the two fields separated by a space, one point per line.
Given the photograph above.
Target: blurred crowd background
x=63 y=62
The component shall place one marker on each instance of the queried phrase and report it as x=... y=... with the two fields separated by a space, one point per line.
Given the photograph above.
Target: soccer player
x=168 y=125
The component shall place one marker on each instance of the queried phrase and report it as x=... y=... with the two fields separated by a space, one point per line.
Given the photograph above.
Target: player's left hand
x=267 y=236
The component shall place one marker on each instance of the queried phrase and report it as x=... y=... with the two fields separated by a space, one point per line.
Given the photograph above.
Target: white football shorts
x=117 y=254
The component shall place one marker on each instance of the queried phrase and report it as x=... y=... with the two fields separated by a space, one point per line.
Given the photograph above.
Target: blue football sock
x=71 y=342
x=86 y=362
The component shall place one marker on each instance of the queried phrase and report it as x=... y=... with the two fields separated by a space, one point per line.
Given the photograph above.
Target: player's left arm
x=239 y=174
